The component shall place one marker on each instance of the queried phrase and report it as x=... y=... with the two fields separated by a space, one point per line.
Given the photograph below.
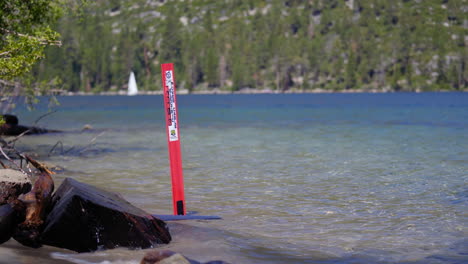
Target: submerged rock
x=12 y=184
x=175 y=259
x=165 y=257
x=85 y=218
x=171 y=257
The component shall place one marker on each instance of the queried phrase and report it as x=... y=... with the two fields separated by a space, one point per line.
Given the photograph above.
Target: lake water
x=297 y=178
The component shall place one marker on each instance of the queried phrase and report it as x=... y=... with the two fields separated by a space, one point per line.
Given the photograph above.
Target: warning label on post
x=171 y=107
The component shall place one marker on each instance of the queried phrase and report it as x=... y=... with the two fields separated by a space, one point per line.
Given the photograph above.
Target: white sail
x=132 y=86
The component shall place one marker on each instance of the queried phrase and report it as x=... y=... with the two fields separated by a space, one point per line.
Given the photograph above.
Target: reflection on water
x=347 y=182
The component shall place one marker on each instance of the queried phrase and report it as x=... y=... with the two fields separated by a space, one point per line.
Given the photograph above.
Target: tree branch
x=42 y=41
x=12 y=161
x=5 y=53
x=4 y=82
x=42 y=116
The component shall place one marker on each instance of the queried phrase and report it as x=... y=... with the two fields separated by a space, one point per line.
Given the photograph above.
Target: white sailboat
x=132 y=86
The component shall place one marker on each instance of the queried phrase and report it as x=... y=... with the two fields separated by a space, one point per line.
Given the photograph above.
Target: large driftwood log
x=85 y=218
x=35 y=203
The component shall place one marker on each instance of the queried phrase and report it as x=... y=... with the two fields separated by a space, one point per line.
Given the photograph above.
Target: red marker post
x=173 y=138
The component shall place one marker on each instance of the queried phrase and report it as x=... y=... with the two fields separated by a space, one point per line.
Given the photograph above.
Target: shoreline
x=251 y=91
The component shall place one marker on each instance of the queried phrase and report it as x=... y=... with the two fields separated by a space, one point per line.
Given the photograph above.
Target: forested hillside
x=281 y=45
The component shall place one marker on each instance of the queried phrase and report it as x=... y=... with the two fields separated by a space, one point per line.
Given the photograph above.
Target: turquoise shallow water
x=297 y=178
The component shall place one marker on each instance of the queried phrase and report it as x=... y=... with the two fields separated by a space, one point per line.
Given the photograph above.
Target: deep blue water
x=431 y=109
x=297 y=178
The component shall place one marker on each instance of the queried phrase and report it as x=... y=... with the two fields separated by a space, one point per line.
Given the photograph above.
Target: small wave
x=77 y=259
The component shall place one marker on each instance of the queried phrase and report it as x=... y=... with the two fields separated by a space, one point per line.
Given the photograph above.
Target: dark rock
x=85 y=218
x=12 y=184
x=10 y=119
x=8 y=221
x=16 y=130
x=11 y=127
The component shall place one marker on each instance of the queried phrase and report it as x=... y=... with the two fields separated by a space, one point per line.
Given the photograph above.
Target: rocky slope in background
x=278 y=45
